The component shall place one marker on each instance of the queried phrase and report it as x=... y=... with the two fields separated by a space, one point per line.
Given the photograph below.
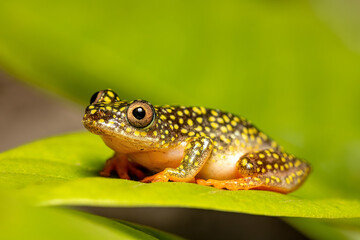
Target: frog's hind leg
x=267 y=170
x=122 y=166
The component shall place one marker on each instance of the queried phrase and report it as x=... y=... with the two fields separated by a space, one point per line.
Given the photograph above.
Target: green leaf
x=64 y=171
x=18 y=220
x=276 y=62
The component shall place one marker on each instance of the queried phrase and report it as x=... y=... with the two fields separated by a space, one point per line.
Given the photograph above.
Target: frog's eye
x=95 y=97
x=140 y=114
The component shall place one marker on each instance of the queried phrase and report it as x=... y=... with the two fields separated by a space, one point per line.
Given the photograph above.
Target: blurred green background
x=292 y=67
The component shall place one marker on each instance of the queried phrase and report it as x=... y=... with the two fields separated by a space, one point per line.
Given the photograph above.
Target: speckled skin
x=192 y=144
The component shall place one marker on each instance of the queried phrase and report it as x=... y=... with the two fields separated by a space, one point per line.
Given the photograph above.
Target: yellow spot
x=237 y=142
x=199 y=120
x=231 y=148
x=122 y=124
x=267 y=180
x=249 y=166
x=245 y=137
x=91 y=107
x=172 y=117
x=107 y=99
x=261 y=155
x=212 y=119
x=283 y=159
x=92 y=111
x=258 y=169
x=197 y=110
x=197 y=152
x=136 y=133
x=122 y=109
x=276 y=166
x=172 y=138
x=203 y=110
x=291 y=164
x=114 y=116
x=220 y=120
x=198 y=128
x=287 y=181
x=259 y=162
x=256 y=179
x=214 y=125
x=286 y=165
x=251 y=182
x=196 y=164
x=162 y=136
x=101 y=120
x=190 y=122
x=244 y=162
x=108 y=108
x=143 y=134
x=212 y=135
x=111 y=94
x=297 y=163
x=186 y=112
x=258 y=140
x=128 y=130
x=163 y=117
x=168 y=110
x=226 y=118
x=214 y=113
x=176 y=126
x=180 y=113
x=207 y=129
x=268 y=153
x=181 y=121
x=281 y=168
x=273 y=144
x=223 y=129
x=233 y=123
x=183 y=130
x=229 y=127
x=236 y=119
x=191 y=134
x=275 y=156
x=166 y=131
x=269 y=166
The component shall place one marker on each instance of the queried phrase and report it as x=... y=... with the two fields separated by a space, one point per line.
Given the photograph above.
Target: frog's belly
x=220 y=167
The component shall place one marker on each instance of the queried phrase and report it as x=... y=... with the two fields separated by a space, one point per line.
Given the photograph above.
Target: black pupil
x=139 y=113
x=93 y=97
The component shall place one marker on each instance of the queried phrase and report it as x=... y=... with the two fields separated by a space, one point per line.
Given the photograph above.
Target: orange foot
x=122 y=166
x=159 y=177
x=164 y=177
x=233 y=184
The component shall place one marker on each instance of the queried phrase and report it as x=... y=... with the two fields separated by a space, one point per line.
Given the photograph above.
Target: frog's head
x=125 y=126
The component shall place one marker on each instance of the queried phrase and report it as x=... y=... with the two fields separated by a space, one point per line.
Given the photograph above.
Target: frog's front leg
x=122 y=166
x=268 y=170
x=197 y=152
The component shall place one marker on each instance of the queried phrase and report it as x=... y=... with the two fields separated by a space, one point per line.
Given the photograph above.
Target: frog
x=197 y=145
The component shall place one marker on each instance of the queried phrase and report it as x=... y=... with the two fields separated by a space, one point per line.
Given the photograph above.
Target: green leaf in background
x=64 y=171
x=18 y=220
